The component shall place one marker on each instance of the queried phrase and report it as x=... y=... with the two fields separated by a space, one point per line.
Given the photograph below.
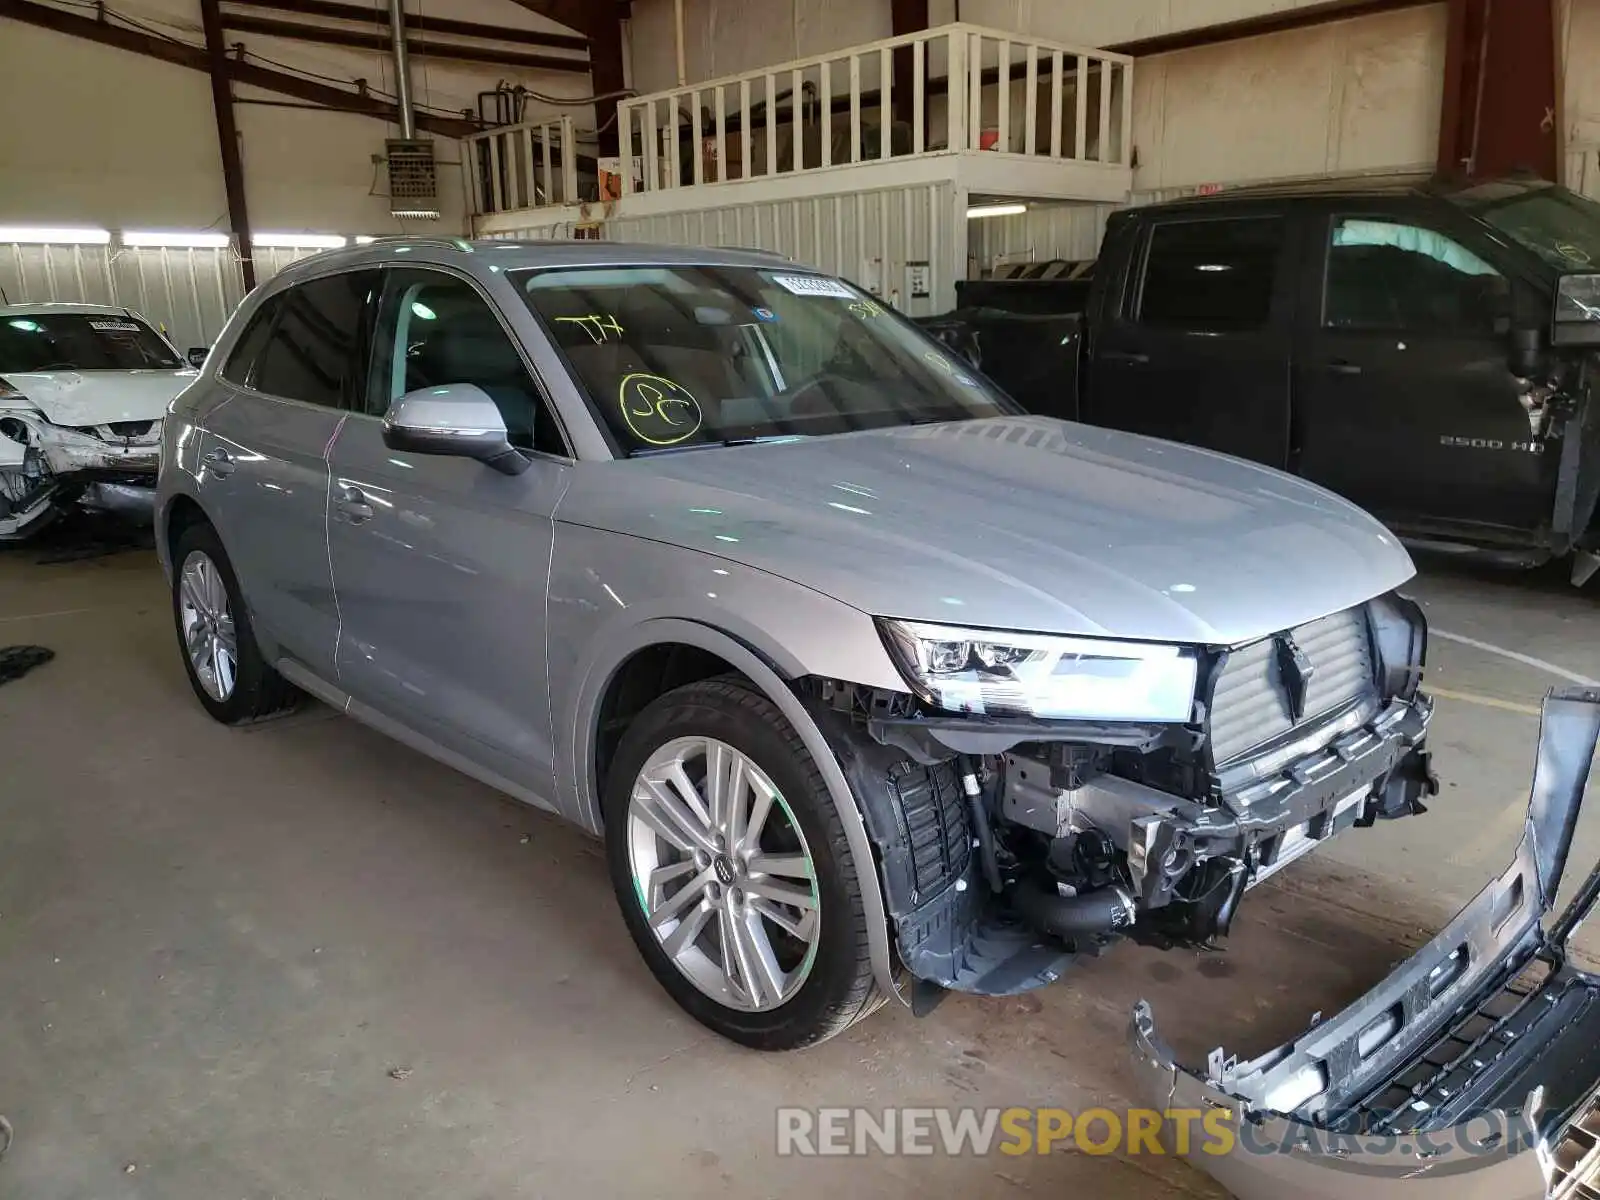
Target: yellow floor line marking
x=1497 y=839
x=1515 y=706
x=64 y=612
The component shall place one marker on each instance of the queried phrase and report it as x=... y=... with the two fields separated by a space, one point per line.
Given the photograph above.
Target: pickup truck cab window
x=1211 y=275
x=1391 y=275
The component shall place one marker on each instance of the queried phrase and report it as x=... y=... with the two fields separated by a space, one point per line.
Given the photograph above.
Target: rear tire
x=229 y=676
x=812 y=973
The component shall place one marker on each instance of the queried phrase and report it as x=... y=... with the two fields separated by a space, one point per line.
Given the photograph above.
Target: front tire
x=733 y=871
x=229 y=675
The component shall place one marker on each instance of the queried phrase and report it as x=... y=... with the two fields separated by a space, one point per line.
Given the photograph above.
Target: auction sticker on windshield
x=115 y=326
x=813 y=285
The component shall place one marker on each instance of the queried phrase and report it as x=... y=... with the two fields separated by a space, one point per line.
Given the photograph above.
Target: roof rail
x=432 y=239
x=761 y=250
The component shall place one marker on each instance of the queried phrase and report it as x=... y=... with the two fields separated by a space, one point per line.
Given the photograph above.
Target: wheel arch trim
x=755 y=667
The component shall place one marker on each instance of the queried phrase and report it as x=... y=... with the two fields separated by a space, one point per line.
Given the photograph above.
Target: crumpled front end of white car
x=45 y=467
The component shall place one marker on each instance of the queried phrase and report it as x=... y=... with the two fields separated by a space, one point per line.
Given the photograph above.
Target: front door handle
x=219 y=462
x=1340 y=367
x=1127 y=356
x=353 y=504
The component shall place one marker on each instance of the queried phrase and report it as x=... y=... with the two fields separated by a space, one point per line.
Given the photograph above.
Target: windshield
x=674 y=357
x=1559 y=226
x=82 y=342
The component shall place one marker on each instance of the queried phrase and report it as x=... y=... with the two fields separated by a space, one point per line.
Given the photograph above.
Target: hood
x=83 y=398
x=1014 y=523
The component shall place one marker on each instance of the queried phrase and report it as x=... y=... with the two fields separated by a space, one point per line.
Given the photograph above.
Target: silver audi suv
x=875 y=686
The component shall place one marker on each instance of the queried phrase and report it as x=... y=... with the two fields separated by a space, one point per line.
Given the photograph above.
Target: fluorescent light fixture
x=300 y=241
x=366 y=239
x=62 y=234
x=176 y=239
x=415 y=214
x=996 y=210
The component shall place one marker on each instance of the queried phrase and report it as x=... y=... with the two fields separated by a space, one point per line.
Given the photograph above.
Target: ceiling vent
x=413 y=178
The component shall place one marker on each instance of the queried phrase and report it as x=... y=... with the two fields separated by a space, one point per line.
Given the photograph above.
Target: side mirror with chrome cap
x=458 y=420
x=197 y=356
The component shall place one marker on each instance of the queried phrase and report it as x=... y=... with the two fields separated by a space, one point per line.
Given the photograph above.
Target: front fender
x=612 y=595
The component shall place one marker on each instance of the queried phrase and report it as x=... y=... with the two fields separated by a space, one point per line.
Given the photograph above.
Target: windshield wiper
x=649 y=451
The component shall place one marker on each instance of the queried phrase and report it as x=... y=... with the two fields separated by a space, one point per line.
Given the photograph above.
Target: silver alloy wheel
x=208 y=625
x=723 y=873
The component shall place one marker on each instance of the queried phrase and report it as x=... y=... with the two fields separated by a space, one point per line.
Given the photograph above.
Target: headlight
x=1039 y=675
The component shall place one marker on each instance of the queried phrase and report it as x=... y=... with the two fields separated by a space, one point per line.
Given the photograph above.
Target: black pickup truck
x=1429 y=351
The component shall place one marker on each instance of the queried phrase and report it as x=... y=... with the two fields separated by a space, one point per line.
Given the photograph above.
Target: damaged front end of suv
x=47 y=467
x=1035 y=797
x=1472 y=1071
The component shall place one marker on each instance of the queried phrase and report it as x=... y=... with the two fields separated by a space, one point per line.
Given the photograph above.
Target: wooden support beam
x=1302 y=17
x=420 y=23
x=329 y=35
x=574 y=14
x=182 y=54
x=228 y=139
x=1498 y=111
x=605 y=74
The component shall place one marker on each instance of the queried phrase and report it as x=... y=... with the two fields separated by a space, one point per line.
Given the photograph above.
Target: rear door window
x=1211 y=275
x=251 y=341
x=315 y=352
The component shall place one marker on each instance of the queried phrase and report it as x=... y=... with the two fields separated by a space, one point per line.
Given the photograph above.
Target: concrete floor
x=302 y=961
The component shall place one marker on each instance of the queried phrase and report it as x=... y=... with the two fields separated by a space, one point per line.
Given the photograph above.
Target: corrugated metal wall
x=1069 y=231
x=867 y=237
x=189 y=292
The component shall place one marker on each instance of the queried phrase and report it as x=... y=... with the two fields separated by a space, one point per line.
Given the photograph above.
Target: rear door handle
x=1127 y=356
x=1339 y=367
x=353 y=504
x=220 y=461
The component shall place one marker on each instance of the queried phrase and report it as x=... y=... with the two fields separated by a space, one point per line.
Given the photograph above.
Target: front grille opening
x=130 y=429
x=1264 y=691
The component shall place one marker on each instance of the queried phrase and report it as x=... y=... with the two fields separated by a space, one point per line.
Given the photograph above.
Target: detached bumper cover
x=1470 y=1073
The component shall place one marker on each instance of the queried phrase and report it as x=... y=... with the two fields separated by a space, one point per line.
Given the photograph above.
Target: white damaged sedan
x=83 y=389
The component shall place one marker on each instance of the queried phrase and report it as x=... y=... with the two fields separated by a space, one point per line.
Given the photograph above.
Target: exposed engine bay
x=1010 y=845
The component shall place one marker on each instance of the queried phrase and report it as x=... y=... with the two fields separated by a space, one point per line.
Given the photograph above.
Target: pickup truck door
x=1404 y=401
x=1196 y=348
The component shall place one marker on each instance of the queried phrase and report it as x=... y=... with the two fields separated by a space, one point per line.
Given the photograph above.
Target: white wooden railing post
x=796 y=121
x=1105 y=154
x=1127 y=114
x=1080 y=147
x=955 y=93
x=825 y=115
x=569 y=162
x=975 y=92
x=772 y=124
x=1003 y=95
x=1057 y=86
x=1030 y=123
x=919 y=88
x=746 y=168
x=625 y=148
x=886 y=100
x=545 y=160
